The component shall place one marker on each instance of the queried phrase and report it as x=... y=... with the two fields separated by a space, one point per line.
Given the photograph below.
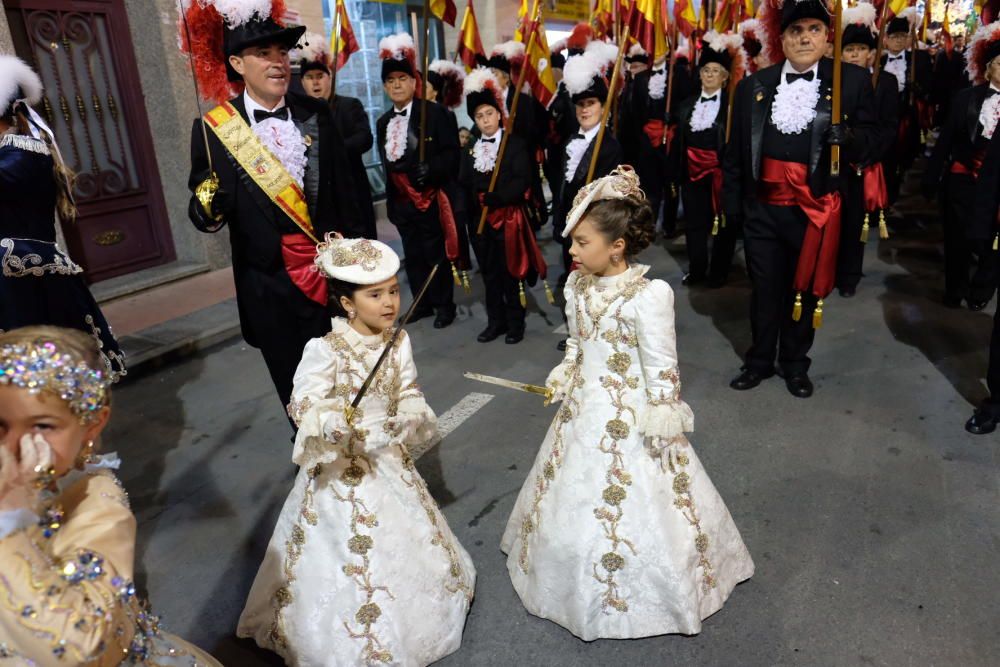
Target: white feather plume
x=238 y=12
x=977 y=45
x=476 y=80
x=509 y=50
x=722 y=42
x=14 y=74
x=395 y=46
x=910 y=14
x=558 y=47
x=580 y=72
x=862 y=13
x=447 y=68
x=312 y=47
x=603 y=53
x=636 y=50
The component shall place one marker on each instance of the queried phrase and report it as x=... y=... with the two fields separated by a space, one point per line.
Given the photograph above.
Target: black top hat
x=598 y=88
x=558 y=61
x=796 y=10
x=478 y=98
x=898 y=24
x=256 y=32
x=710 y=55
x=856 y=33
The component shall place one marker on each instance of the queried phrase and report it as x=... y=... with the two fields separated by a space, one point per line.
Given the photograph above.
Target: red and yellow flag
x=603 y=18
x=685 y=17
x=444 y=10
x=896 y=6
x=647 y=26
x=730 y=13
x=342 y=41
x=537 y=75
x=469 y=43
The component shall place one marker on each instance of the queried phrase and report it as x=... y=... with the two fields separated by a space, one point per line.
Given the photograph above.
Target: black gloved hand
x=419 y=174
x=222 y=202
x=492 y=199
x=838 y=135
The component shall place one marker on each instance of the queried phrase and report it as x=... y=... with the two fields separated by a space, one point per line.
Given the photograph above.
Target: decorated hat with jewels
x=356 y=261
x=983 y=48
x=621 y=183
x=212 y=30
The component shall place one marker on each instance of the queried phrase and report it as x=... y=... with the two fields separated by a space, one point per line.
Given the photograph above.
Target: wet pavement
x=872 y=516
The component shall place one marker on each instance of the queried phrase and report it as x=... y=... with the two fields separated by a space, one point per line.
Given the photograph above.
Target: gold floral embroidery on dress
x=114 y=362
x=567 y=412
x=673 y=376
x=293 y=551
x=361 y=544
x=674 y=460
x=618 y=384
x=460 y=580
x=297 y=409
x=32 y=264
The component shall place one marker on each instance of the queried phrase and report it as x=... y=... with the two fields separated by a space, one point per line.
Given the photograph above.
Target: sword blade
x=511 y=384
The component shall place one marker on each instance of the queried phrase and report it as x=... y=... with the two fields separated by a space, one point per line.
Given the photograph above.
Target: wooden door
x=83 y=52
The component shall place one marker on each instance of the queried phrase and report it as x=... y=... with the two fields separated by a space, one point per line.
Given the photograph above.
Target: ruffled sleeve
x=561 y=376
x=64 y=604
x=316 y=406
x=414 y=423
x=666 y=415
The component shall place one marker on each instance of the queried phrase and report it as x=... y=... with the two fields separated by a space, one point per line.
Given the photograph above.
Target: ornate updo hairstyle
x=629 y=218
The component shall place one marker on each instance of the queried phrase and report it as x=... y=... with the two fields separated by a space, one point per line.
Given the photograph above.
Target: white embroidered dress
x=362 y=568
x=612 y=536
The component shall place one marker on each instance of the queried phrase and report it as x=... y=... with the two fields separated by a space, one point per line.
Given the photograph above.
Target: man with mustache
x=271 y=165
x=777 y=177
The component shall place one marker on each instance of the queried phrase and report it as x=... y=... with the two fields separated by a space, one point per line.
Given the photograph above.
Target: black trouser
x=503 y=295
x=724 y=248
x=961 y=256
x=992 y=404
x=850 y=257
x=698 y=221
x=279 y=319
x=773 y=239
x=423 y=247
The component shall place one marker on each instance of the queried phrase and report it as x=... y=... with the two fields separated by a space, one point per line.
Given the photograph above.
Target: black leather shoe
x=799 y=385
x=749 y=379
x=690 y=279
x=421 y=314
x=561 y=345
x=976 y=306
x=514 y=337
x=491 y=332
x=848 y=292
x=981 y=423
x=444 y=318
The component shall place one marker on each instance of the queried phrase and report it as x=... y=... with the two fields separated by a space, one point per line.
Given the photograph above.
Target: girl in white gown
x=362 y=568
x=618 y=531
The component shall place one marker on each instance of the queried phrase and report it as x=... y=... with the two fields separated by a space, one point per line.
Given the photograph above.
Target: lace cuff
x=667 y=420
x=415 y=424
x=314 y=420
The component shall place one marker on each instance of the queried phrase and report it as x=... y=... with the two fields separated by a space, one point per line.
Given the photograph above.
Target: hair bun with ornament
x=212 y=30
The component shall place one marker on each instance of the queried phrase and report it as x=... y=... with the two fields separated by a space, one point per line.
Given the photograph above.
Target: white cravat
x=396 y=133
x=484 y=152
x=989 y=113
x=794 y=105
x=576 y=148
x=281 y=137
x=706 y=110
x=896 y=65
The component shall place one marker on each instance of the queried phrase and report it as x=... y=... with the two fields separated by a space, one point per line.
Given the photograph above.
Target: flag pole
x=336 y=49
x=510 y=118
x=423 y=93
x=607 y=105
x=883 y=24
x=838 y=43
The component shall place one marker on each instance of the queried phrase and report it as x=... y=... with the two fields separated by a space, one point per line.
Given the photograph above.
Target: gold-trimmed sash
x=260 y=164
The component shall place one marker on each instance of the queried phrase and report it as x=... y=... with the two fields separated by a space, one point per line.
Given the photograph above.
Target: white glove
x=336 y=429
x=21 y=480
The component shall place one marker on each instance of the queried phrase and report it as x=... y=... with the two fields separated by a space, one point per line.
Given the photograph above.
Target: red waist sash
x=299 y=255
x=703 y=163
x=654 y=129
x=966 y=170
x=520 y=246
x=422 y=200
x=787 y=184
x=876 y=194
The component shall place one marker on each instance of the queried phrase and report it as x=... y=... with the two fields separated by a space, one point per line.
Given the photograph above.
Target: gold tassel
x=673 y=190
x=548 y=294
x=465 y=282
x=818 y=315
x=454 y=274
x=883 y=229
x=522 y=296
x=797 y=308
x=864 y=230
x=996 y=242
x=715 y=226
x=722 y=219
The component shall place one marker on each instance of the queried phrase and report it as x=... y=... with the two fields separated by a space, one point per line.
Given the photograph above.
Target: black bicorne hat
x=256 y=32
x=796 y=10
